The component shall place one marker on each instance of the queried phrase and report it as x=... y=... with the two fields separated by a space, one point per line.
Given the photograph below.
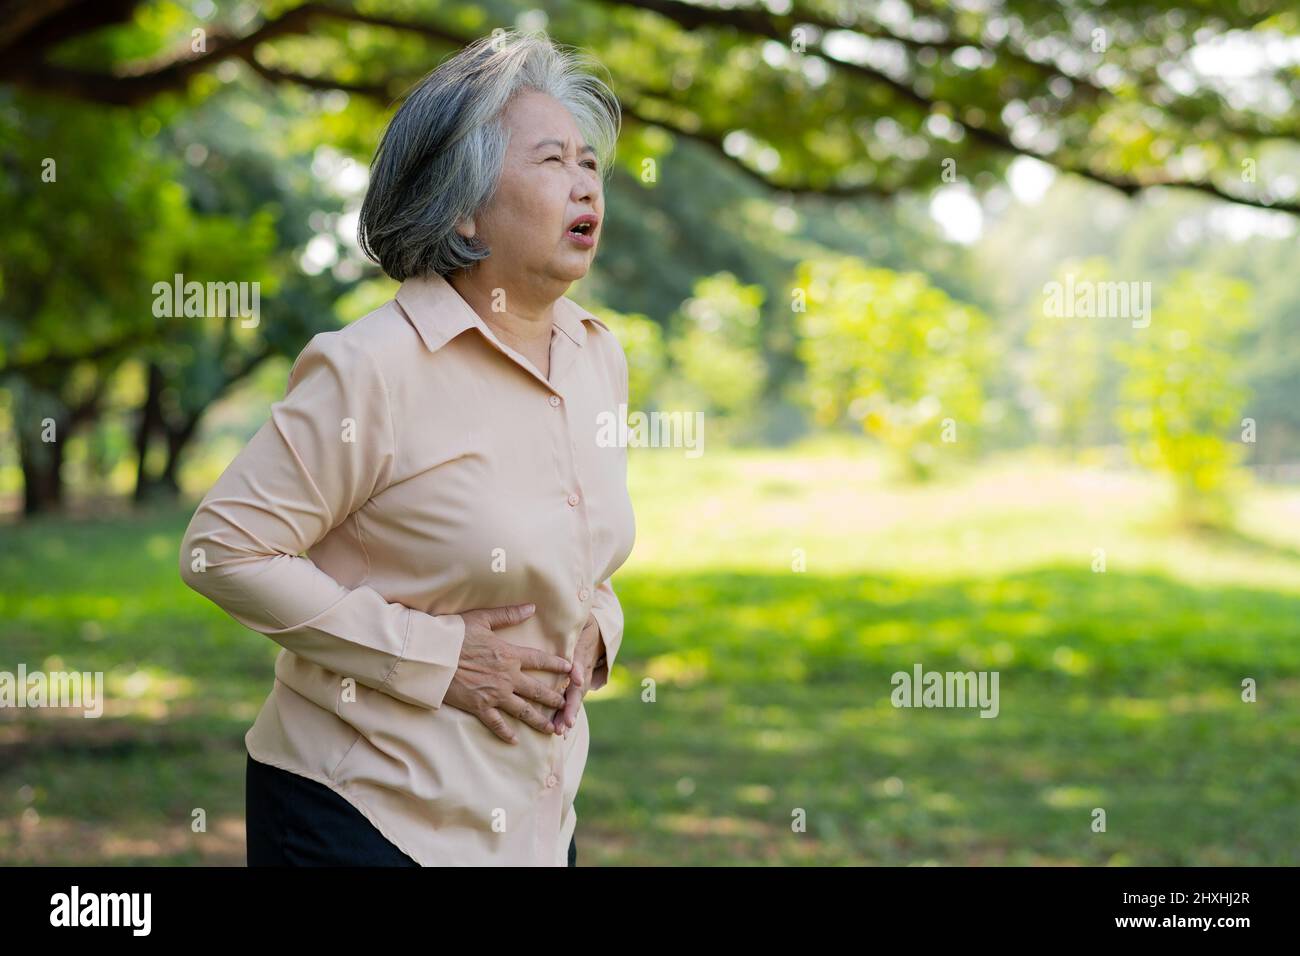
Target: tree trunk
x=42 y=464
x=178 y=439
x=151 y=421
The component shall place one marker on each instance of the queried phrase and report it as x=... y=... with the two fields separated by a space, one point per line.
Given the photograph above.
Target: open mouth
x=583 y=229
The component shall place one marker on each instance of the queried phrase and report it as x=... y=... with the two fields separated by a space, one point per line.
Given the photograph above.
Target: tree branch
x=765 y=25
x=131 y=88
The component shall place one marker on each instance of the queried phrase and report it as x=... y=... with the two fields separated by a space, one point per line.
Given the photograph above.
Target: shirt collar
x=439 y=313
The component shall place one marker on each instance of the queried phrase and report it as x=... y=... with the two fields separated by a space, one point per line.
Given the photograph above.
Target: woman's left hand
x=585 y=654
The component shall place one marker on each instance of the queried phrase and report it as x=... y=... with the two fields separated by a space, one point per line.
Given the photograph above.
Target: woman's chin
x=572 y=271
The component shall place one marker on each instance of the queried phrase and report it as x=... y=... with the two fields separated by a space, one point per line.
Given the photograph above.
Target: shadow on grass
x=1256 y=547
x=769 y=701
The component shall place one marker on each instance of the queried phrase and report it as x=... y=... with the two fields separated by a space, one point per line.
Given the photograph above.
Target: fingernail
x=530 y=608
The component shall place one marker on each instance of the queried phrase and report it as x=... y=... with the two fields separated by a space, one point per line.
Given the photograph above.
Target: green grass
x=747 y=693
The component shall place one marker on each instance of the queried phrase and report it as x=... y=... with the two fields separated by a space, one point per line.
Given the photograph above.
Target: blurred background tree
x=1065 y=364
x=642 y=339
x=1185 y=394
x=716 y=364
x=231 y=140
x=893 y=354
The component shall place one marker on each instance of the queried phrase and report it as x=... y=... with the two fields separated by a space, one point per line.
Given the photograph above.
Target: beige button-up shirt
x=425 y=468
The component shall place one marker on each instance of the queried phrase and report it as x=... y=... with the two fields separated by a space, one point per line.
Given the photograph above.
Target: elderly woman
x=437 y=462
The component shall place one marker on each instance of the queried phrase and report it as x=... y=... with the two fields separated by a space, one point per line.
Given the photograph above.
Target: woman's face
x=548 y=180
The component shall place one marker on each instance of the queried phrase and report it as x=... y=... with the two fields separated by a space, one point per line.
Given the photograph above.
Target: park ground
x=769 y=599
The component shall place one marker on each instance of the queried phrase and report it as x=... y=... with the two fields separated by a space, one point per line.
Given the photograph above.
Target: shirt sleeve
x=327 y=448
x=609 y=616
x=605 y=606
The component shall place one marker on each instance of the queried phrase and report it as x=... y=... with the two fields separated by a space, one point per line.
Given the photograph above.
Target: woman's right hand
x=488 y=676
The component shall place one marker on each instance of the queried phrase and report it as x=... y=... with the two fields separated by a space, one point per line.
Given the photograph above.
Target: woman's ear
x=467 y=228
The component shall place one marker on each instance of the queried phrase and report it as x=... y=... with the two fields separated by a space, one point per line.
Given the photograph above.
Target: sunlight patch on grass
x=695 y=825
x=1133 y=708
x=1016 y=512
x=782 y=741
x=682 y=668
x=944 y=803
x=1072 y=797
x=145 y=685
x=756 y=794
x=887 y=633
x=1069 y=661
x=61 y=841
x=59 y=606
x=160 y=547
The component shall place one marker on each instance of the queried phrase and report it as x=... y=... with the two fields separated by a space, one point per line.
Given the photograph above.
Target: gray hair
x=441 y=156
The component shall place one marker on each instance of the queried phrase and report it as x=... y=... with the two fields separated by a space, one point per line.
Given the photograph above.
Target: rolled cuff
x=424 y=671
x=608 y=613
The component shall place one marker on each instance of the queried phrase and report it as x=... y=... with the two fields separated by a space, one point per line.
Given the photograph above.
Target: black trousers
x=294 y=821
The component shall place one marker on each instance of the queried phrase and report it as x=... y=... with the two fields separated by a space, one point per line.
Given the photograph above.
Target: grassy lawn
x=747 y=692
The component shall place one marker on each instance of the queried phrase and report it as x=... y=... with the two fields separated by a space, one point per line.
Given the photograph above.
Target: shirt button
x=555 y=400
x=573 y=500
x=552 y=780
x=584 y=594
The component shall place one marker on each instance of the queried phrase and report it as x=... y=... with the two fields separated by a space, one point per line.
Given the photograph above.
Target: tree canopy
x=836 y=98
